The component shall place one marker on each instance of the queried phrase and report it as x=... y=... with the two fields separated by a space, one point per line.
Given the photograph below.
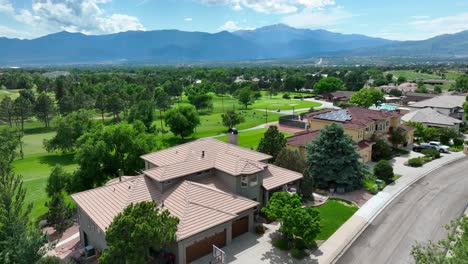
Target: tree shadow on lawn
x=58 y=159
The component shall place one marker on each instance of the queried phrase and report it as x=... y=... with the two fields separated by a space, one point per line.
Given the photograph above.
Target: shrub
x=381 y=149
x=415 y=162
x=299 y=253
x=286 y=96
x=383 y=171
x=426 y=159
x=283 y=244
x=260 y=229
x=458 y=141
x=431 y=153
x=300 y=244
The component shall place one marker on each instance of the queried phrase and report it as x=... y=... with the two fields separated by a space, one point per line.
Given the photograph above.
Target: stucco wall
x=183 y=244
x=95 y=236
x=251 y=192
x=366 y=154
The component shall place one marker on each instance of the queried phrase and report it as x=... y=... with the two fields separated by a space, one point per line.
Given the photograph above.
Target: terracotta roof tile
x=198 y=206
x=302 y=138
x=276 y=176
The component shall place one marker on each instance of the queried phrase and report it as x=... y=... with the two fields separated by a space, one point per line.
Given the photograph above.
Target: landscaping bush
x=458 y=141
x=415 y=162
x=260 y=229
x=382 y=149
x=434 y=154
x=286 y=96
x=283 y=244
x=299 y=253
x=426 y=159
x=300 y=244
x=383 y=171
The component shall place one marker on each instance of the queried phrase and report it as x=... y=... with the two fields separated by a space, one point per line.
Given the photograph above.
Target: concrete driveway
x=251 y=248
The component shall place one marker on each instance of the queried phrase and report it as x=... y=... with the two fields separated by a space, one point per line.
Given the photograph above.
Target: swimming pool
x=386 y=107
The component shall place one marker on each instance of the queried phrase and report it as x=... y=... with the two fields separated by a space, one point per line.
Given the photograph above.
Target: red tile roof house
x=358 y=122
x=214 y=188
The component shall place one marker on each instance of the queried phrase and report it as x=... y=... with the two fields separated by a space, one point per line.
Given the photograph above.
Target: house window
x=254 y=180
x=244 y=181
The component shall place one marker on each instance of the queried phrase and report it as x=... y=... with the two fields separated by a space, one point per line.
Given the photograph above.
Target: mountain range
x=174 y=46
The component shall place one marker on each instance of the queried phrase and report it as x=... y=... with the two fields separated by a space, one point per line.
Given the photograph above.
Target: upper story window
x=254 y=180
x=360 y=133
x=244 y=181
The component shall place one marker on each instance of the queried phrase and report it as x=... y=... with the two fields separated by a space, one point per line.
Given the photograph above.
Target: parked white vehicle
x=440 y=147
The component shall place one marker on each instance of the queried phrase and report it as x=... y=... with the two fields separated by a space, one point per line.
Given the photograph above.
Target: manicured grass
x=251 y=138
x=35 y=168
x=332 y=215
x=13 y=94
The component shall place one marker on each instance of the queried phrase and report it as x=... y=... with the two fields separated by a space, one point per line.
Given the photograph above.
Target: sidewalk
x=331 y=249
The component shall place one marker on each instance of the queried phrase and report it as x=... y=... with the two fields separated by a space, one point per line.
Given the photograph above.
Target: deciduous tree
x=327 y=85
x=182 y=120
x=367 y=97
x=231 y=118
x=138 y=231
x=44 y=108
x=7 y=111
x=245 y=96
x=272 y=142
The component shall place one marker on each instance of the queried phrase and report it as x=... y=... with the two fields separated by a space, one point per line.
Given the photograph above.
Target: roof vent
x=162 y=204
x=203 y=154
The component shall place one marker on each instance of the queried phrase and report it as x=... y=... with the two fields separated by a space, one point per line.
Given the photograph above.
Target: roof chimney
x=232 y=136
x=120 y=175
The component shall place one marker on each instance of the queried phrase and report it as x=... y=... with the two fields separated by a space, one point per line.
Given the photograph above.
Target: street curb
x=343 y=251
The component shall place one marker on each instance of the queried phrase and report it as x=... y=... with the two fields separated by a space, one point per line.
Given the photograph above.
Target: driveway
x=418 y=214
x=251 y=248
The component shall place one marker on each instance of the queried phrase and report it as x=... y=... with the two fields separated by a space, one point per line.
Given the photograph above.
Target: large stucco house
x=214 y=188
x=358 y=122
x=448 y=105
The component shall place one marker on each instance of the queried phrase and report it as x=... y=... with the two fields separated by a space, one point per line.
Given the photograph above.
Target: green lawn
x=332 y=215
x=35 y=168
x=250 y=139
x=11 y=93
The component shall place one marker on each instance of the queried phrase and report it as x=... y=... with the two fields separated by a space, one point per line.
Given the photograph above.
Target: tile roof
x=443 y=101
x=302 y=138
x=203 y=154
x=198 y=206
x=359 y=117
x=363 y=144
x=430 y=116
x=276 y=176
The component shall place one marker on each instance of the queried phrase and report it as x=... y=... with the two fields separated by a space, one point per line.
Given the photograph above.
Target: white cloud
x=273 y=6
x=233 y=26
x=312 y=17
x=419 y=17
x=13 y=33
x=442 y=25
x=86 y=16
x=424 y=28
x=6 y=7
x=188 y=19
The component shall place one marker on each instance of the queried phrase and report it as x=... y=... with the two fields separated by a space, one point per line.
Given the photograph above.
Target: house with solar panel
x=214 y=188
x=358 y=122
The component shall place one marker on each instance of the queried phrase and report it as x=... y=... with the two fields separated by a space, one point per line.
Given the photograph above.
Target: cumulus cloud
x=6 y=7
x=273 y=6
x=233 y=26
x=86 y=16
x=313 y=17
x=188 y=19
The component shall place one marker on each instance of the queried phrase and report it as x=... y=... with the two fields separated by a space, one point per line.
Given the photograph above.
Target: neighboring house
x=339 y=96
x=431 y=117
x=358 y=122
x=300 y=141
x=412 y=97
x=215 y=189
x=449 y=105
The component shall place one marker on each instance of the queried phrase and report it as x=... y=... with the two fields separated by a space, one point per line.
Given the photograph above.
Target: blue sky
x=396 y=19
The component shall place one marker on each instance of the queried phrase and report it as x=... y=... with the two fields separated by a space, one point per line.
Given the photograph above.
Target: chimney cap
x=233 y=130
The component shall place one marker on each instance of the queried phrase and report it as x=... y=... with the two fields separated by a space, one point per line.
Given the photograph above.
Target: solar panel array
x=339 y=115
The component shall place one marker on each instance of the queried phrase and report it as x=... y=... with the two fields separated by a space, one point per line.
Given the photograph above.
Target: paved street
x=418 y=214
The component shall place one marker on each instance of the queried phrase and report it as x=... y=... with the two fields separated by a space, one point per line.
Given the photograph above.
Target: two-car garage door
x=205 y=246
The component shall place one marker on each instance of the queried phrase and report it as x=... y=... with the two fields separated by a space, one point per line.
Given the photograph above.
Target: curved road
x=418 y=214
